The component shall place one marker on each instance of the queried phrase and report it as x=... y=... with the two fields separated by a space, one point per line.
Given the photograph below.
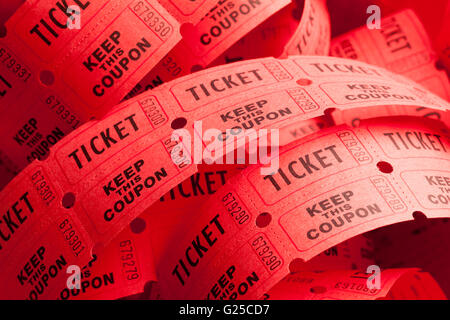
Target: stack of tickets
x=224 y=149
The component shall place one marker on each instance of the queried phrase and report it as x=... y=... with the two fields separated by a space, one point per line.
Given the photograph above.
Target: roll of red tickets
x=134 y=203
x=367 y=178
x=401 y=284
x=87 y=172
x=300 y=28
x=401 y=45
x=122 y=269
x=61 y=77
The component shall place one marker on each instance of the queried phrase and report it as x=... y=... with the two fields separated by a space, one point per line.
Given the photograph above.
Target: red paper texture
x=92 y=175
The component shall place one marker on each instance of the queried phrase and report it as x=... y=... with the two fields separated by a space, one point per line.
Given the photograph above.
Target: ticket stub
x=353 y=254
x=61 y=77
x=122 y=269
x=141 y=168
x=39 y=239
x=401 y=45
x=185 y=199
x=224 y=25
x=367 y=178
x=91 y=67
x=218 y=31
x=395 y=284
x=249 y=93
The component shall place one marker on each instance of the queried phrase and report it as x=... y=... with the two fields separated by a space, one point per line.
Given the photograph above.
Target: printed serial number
x=354 y=146
x=62 y=112
x=179 y=157
x=388 y=193
x=265 y=253
x=234 y=209
x=128 y=260
x=355 y=287
x=42 y=187
x=11 y=64
x=152 y=19
x=153 y=111
x=71 y=237
x=171 y=66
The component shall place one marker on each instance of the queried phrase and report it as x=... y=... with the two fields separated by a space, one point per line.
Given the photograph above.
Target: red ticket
x=401 y=45
x=122 y=199
x=306 y=85
x=34 y=251
x=401 y=284
x=184 y=199
x=62 y=77
x=225 y=24
x=90 y=67
x=187 y=198
x=122 y=269
x=139 y=172
x=142 y=127
x=375 y=175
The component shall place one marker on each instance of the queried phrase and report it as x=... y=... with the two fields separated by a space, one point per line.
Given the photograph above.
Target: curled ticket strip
x=302 y=27
x=401 y=284
x=123 y=268
x=61 y=77
x=401 y=45
x=350 y=181
x=102 y=176
x=187 y=198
